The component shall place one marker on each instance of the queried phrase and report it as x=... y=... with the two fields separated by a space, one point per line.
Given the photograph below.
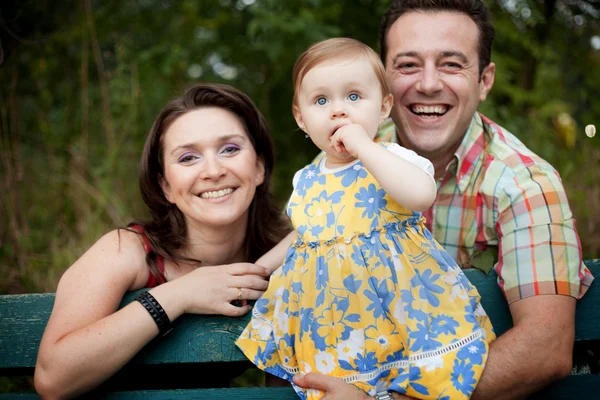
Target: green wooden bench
x=201 y=350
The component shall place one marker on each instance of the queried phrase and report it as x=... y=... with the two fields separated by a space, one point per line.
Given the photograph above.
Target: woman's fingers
x=234 y=311
x=247 y=269
x=248 y=281
x=245 y=294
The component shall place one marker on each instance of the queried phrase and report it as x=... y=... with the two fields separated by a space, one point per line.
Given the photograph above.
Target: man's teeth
x=216 y=194
x=440 y=110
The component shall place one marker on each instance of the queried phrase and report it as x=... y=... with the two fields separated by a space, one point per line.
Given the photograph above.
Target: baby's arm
x=408 y=184
x=273 y=259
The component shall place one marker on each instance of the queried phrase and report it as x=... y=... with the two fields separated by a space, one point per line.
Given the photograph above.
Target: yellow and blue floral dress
x=367 y=295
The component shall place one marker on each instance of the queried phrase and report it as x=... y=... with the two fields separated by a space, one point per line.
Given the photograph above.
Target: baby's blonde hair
x=335 y=49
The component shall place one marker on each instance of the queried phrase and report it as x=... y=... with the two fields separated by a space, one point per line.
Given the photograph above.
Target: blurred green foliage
x=81 y=81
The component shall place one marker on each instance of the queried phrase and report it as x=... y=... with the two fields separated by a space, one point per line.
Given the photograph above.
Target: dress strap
x=160 y=261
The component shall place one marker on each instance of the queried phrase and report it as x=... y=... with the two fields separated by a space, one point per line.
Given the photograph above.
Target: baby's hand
x=350 y=138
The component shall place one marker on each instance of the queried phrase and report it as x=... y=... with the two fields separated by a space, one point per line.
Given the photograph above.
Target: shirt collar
x=465 y=157
x=469 y=153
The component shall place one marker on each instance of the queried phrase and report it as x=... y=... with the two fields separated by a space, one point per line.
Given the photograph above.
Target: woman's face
x=211 y=170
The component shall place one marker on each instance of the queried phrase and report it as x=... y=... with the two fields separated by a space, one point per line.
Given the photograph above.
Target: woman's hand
x=211 y=290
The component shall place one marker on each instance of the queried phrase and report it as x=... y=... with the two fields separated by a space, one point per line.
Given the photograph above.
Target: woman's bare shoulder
x=117 y=257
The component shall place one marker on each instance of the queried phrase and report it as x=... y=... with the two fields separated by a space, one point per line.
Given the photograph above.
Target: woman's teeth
x=216 y=194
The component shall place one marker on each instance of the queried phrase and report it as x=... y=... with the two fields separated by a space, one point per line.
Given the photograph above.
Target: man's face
x=433 y=69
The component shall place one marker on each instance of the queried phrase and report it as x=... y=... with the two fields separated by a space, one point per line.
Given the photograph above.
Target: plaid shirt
x=501 y=206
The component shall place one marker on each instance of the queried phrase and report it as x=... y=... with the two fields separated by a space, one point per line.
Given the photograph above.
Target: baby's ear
x=298 y=117
x=386 y=106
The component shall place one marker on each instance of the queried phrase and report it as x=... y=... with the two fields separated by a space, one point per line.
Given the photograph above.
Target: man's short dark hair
x=475 y=9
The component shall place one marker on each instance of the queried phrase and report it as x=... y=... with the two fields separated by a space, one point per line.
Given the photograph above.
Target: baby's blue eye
x=321 y=101
x=353 y=97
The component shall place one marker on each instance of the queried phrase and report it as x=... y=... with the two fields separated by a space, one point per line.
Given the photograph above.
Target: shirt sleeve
x=412 y=157
x=539 y=249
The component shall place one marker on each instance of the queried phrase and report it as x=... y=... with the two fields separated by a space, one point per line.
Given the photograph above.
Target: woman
x=205 y=177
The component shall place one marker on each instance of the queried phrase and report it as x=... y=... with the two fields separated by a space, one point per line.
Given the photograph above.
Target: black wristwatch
x=384 y=395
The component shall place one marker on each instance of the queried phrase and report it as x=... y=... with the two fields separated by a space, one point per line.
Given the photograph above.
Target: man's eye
x=353 y=97
x=452 y=65
x=321 y=101
x=406 y=65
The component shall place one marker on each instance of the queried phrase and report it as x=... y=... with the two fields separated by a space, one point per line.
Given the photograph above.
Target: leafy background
x=81 y=81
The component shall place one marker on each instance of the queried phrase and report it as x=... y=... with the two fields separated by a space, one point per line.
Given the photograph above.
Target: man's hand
x=334 y=388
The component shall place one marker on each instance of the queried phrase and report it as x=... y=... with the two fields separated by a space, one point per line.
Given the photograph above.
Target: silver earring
x=306 y=136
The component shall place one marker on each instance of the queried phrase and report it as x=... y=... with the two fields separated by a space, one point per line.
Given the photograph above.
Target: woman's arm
x=87 y=340
x=275 y=257
x=405 y=182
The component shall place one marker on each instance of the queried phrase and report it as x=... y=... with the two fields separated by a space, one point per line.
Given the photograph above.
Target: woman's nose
x=213 y=168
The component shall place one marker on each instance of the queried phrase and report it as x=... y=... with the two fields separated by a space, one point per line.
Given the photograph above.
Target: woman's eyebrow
x=220 y=139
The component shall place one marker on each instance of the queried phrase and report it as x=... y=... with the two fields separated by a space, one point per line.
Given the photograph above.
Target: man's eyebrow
x=221 y=139
x=443 y=54
x=458 y=54
x=405 y=54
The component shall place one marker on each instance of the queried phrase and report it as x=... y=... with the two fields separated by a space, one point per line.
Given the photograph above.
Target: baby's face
x=337 y=93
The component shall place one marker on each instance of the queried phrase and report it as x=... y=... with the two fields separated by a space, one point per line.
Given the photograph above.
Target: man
x=498 y=206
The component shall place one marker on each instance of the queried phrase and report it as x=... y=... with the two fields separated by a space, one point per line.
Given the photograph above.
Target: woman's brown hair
x=167 y=231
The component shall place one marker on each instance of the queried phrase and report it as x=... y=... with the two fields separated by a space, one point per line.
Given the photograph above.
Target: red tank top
x=160 y=261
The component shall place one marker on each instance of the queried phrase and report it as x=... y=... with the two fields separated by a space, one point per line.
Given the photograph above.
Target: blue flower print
x=261 y=305
x=407 y=299
x=371 y=200
x=351 y=284
x=470 y=311
x=444 y=259
x=428 y=287
x=306 y=320
x=380 y=297
x=366 y=363
x=413 y=375
x=309 y=176
x=473 y=352
x=463 y=377
x=444 y=324
x=322 y=273
x=264 y=355
x=351 y=175
x=357 y=256
x=424 y=338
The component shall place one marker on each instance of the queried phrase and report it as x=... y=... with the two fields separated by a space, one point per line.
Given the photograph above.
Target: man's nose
x=429 y=81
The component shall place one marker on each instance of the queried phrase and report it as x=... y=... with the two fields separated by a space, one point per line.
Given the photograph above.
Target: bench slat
x=207 y=339
x=572 y=387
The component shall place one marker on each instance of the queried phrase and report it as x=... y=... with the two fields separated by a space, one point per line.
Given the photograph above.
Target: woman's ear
x=386 y=106
x=260 y=168
x=166 y=188
x=298 y=118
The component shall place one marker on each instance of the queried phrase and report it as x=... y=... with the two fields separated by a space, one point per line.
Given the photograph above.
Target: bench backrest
x=210 y=339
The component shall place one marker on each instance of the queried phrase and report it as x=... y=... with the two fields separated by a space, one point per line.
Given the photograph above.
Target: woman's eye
x=321 y=101
x=231 y=149
x=187 y=158
x=353 y=97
